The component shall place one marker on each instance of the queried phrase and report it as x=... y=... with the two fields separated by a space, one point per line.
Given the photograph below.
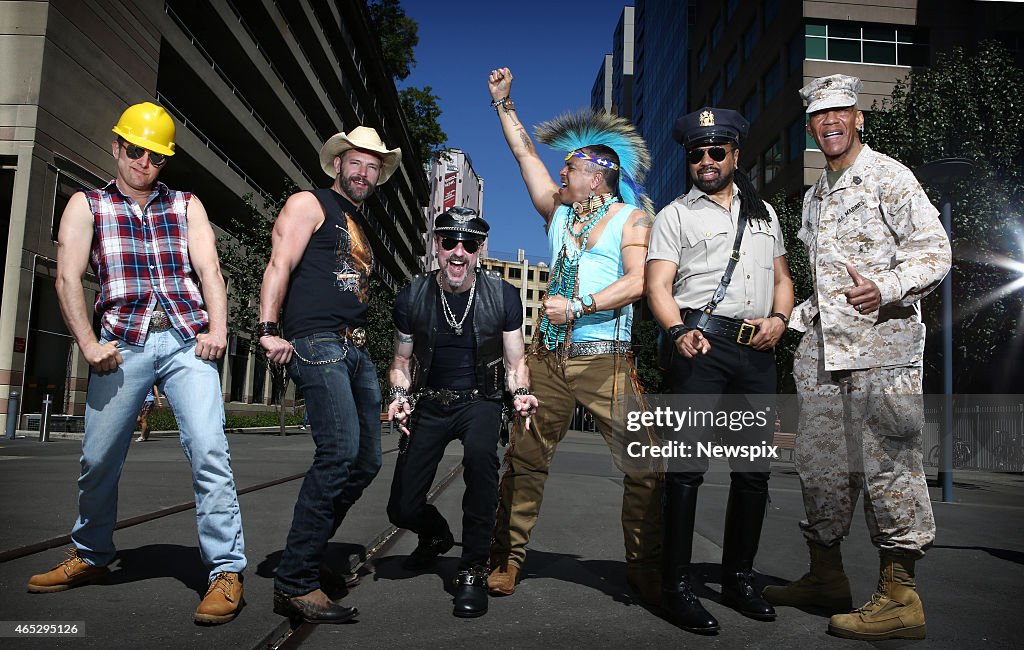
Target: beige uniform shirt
x=697 y=235
x=878 y=219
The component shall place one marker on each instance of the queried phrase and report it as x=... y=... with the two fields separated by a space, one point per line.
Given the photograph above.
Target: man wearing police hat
x=876 y=247
x=318 y=281
x=458 y=348
x=719 y=285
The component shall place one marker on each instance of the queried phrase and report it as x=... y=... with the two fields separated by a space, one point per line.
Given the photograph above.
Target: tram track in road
x=26 y=550
x=290 y=635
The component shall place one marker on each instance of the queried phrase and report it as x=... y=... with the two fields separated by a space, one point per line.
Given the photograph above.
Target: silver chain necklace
x=449 y=315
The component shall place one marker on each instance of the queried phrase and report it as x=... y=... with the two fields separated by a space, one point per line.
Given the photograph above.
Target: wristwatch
x=785 y=320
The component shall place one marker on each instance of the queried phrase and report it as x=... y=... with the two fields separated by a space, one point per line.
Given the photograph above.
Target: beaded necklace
x=565 y=272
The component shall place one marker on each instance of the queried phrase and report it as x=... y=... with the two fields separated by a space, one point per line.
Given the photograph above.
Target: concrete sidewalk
x=573 y=592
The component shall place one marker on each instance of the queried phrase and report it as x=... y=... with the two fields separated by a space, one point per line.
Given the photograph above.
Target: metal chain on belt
x=324 y=362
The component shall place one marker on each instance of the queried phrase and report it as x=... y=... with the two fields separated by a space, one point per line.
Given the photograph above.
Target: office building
x=452 y=182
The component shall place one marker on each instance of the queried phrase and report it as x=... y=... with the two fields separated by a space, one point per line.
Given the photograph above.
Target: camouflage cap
x=833 y=91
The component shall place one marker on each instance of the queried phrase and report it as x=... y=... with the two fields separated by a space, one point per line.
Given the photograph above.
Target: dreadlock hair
x=751 y=204
x=611 y=176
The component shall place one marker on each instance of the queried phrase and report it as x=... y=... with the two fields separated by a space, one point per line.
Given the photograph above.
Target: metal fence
x=988 y=437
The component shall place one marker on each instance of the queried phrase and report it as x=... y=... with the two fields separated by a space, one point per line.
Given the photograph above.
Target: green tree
x=380 y=329
x=788 y=211
x=968 y=106
x=398 y=36
x=422 y=113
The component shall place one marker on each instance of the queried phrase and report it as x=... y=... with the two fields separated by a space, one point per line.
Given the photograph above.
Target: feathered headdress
x=572 y=131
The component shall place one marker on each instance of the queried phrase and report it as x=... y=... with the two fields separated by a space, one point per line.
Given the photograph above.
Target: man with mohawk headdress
x=581 y=350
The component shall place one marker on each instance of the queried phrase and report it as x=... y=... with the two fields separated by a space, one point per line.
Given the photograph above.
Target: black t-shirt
x=329 y=287
x=454 y=362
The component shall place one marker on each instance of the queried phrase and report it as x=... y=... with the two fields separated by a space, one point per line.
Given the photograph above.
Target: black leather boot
x=678 y=600
x=470 y=593
x=743 y=518
x=423 y=556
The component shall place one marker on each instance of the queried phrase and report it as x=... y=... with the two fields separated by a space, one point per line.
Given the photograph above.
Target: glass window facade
x=866 y=43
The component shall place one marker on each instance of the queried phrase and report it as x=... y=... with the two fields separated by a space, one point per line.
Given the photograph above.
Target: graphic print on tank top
x=353 y=260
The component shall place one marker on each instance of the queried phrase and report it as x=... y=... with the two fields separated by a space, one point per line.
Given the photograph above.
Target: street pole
x=942 y=174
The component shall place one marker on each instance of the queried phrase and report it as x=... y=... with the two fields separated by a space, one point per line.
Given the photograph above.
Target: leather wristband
x=785 y=320
x=520 y=392
x=676 y=331
x=267 y=328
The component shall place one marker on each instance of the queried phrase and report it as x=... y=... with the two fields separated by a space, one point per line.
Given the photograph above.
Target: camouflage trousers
x=860 y=431
x=602 y=384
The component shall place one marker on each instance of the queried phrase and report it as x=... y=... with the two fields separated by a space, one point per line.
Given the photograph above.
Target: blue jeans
x=192 y=387
x=343 y=402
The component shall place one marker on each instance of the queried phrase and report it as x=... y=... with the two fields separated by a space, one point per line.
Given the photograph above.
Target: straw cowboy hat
x=365 y=139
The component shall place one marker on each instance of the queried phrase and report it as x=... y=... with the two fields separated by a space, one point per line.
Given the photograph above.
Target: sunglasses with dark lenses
x=694 y=156
x=470 y=245
x=135 y=152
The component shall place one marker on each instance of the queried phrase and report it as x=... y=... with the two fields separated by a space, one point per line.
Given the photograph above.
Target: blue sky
x=554 y=50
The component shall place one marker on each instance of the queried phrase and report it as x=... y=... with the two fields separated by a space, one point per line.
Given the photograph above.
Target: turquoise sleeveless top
x=598 y=267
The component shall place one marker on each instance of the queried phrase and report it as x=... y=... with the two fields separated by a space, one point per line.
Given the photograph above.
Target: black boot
x=678 y=599
x=471 y=593
x=427 y=550
x=743 y=518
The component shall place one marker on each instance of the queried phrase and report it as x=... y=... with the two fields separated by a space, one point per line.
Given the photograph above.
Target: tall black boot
x=743 y=518
x=678 y=599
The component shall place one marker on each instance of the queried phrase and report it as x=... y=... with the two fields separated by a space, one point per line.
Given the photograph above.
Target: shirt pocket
x=708 y=248
x=762 y=240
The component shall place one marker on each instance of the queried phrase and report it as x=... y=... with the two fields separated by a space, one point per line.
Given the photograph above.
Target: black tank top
x=329 y=288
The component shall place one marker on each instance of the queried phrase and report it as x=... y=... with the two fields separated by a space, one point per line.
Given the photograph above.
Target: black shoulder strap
x=719 y=296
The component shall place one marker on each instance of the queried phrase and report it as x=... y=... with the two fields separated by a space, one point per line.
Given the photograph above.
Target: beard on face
x=357 y=194
x=713 y=185
x=447 y=276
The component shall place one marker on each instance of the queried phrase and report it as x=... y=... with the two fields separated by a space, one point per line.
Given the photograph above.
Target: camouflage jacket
x=878 y=219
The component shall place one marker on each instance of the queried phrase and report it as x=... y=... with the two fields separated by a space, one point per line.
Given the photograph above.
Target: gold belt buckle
x=744 y=328
x=359 y=337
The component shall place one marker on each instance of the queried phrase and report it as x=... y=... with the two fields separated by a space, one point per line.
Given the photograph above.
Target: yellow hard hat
x=147 y=125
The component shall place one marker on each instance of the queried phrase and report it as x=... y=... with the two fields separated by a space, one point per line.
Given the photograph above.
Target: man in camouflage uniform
x=876 y=247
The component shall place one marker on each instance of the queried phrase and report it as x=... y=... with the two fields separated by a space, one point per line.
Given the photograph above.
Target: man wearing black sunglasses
x=724 y=313
x=458 y=348
x=163 y=315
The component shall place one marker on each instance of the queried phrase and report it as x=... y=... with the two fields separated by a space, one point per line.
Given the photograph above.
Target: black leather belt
x=730 y=328
x=446 y=396
x=355 y=334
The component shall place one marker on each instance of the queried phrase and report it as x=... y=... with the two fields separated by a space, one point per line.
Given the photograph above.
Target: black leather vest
x=488 y=319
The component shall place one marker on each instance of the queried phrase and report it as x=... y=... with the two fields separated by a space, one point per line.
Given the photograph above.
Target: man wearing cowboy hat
x=317 y=281
x=458 y=348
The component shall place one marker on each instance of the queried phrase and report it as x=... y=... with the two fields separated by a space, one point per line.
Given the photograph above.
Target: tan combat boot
x=825 y=585
x=502 y=581
x=894 y=611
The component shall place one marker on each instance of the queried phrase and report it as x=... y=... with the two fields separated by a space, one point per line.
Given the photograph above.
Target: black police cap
x=710 y=126
x=461 y=223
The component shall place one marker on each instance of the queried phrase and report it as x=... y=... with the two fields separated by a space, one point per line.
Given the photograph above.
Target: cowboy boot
x=677 y=598
x=743 y=518
x=825 y=585
x=894 y=611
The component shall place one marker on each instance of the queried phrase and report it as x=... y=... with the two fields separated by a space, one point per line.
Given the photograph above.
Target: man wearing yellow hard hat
x=152 y=248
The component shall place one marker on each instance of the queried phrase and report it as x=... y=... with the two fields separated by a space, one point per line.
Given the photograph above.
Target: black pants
x=434 y=425
x=740 y=375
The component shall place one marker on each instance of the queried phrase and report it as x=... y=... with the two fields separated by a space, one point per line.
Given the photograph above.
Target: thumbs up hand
x=864 y=295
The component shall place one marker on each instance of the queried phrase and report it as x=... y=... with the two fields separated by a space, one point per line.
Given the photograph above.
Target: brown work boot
x=894 y=611
x=646 y=583
x=223 y=600
x=502 y=581
x=825 y=585
x=72 y=572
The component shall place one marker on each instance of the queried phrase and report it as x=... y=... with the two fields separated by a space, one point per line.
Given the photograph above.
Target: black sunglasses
x=135 y=152
x=470 y=245
x=694 y=156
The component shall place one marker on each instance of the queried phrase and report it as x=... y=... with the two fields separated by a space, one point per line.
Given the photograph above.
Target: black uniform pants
x=735 y=377
x=433 y=426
